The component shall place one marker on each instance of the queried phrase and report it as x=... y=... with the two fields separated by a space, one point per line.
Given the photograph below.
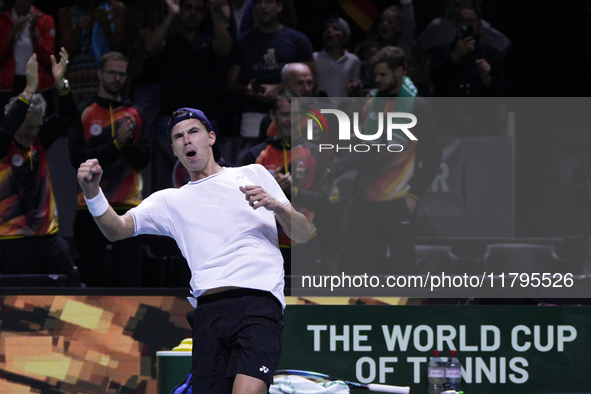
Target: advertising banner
x=502 y=349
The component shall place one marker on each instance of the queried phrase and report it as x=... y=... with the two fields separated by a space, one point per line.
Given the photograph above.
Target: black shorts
x=235 y=332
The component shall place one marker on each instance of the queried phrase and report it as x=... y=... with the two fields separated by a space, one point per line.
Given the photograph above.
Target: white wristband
x=97 y=205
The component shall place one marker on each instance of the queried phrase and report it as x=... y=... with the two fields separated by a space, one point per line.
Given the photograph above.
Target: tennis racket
x=380 y=388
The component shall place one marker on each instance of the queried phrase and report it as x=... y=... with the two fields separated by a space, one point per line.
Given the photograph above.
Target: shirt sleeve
x=150 y=217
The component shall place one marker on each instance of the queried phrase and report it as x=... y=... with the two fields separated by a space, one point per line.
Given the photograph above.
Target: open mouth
x=191 y=153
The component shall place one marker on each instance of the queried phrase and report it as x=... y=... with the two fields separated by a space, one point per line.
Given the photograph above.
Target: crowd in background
x=195 y=53
x=131 y=64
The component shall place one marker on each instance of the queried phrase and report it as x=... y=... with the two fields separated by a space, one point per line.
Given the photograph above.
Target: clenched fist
x=89 y=176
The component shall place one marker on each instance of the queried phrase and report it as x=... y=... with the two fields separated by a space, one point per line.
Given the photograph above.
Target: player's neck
x=210 y=169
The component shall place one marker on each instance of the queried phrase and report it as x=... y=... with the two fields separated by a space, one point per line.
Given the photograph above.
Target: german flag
x=364 y=12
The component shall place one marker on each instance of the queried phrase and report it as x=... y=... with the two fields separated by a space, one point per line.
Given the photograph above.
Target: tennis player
x=223 y=221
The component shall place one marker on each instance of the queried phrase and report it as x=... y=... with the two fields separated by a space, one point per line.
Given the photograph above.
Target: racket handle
x=384 y=388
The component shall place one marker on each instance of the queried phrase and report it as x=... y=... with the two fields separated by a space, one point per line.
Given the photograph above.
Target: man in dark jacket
x=467 y=66
x=111 y=130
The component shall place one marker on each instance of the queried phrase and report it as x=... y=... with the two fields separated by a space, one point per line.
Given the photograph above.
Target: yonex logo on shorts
x=264 y=369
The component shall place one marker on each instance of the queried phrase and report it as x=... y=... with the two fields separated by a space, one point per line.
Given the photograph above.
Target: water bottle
x=453 y=373
x=435 y=374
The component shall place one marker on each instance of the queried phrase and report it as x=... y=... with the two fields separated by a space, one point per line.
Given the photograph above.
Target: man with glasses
x=110 y=129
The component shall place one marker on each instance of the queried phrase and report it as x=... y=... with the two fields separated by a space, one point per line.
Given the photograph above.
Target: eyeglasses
x=112 y=73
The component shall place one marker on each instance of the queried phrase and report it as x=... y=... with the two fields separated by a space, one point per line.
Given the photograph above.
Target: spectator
x=143 y=19
x=256 y=63
x=25 y=30
x=394 y=27
x=295 y=77
x=467 y=66
x=443 y=30
x=89 y=29
x=243 y=19
x=300 y=169
x=190 y=60
x=29 y=241
x=336 y=67
x=381 y=216
x=110 y=129
x=299 y=78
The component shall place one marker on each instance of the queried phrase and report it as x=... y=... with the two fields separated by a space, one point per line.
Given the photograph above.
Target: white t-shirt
x=225 y=241
x=334 y=76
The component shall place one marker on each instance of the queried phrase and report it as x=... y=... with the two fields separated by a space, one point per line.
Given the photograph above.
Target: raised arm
x=155 y=41
x=222 y=43
x=15 y=116
x=57 y=123
x=113 y=226
x=294 y=223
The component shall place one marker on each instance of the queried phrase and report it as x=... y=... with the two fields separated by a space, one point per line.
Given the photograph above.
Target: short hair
x=181 y=112
x=340 y=22
x=285 y=69
x=112 y=57
x=396 y=9
x=282 y=94
x=393 y=56
x=38 y=104
x=470 y=7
